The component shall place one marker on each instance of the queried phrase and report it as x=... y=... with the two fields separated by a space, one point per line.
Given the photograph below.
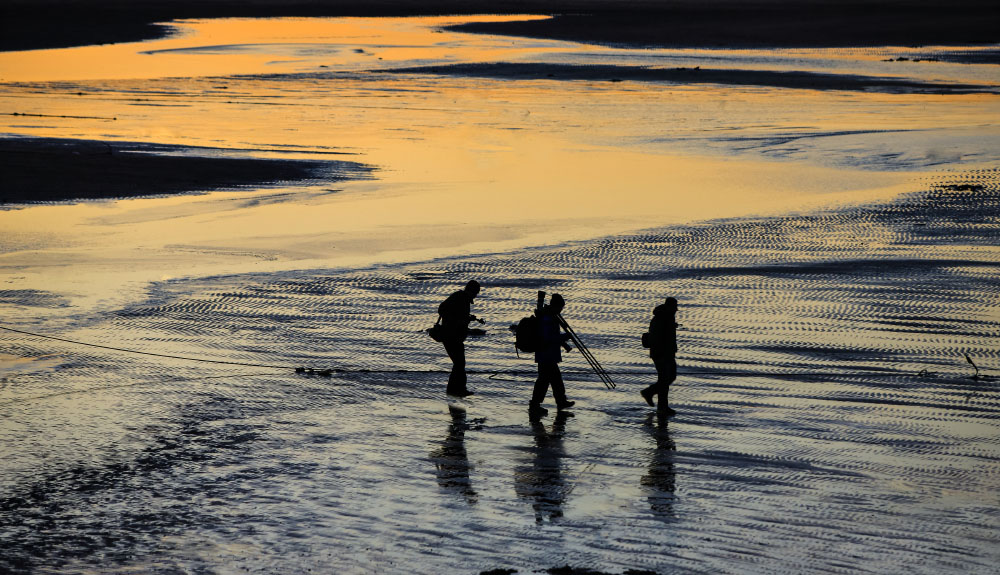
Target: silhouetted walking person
x=548 y=356
x=455 y=317
x=662 y=341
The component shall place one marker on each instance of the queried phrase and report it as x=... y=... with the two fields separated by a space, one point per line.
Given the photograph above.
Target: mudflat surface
x=826 y=416
x=834 y=252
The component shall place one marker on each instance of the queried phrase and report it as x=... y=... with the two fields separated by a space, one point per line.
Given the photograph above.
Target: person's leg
x=457 y=379
x=559 y=388
x=668 y=374
x=655 y=388
x=541 y=385
x=663 y=377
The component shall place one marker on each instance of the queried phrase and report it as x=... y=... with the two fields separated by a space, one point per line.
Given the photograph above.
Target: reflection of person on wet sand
x=548 y=357
x=543 y=480
x=662 y=342
x=455 y=317
x=660 y=477
x=451 y=460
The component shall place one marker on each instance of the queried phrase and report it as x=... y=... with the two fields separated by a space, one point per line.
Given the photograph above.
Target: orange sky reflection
x=463 y=164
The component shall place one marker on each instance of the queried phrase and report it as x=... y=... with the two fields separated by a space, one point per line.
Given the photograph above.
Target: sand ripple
x=827 y=421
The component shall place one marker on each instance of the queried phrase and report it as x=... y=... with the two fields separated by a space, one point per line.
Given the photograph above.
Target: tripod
x=585 y=352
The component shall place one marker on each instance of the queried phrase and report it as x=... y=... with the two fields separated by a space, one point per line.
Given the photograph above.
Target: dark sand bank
x=52 y=169
x=800 y=80
x=765 y=24
x=34 y=24
x=966 y=57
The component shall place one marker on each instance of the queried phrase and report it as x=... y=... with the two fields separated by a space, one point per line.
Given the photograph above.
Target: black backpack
x=527 y=334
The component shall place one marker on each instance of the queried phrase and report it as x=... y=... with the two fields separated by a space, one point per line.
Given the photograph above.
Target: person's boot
x=647 y=394
x=566 y=404
x=664 y=407
x=536 y=410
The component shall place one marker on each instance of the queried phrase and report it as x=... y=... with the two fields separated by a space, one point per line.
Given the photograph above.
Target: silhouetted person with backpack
x=662 y=340
x=548 y=355
x=455 y=317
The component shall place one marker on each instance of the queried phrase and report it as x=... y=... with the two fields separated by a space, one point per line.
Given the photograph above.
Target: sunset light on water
x=270 y=193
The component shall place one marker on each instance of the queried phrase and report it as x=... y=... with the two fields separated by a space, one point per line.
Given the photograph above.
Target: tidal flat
x=827 y=217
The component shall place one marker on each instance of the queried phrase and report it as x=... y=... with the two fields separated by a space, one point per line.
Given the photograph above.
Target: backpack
x=527 y=334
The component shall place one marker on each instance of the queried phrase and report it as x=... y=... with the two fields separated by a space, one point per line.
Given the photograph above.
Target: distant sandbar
x=695 y=75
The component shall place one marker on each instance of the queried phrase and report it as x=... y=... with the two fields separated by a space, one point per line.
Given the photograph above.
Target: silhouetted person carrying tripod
x=662 y=340
x=548 y=356
x=455 y=317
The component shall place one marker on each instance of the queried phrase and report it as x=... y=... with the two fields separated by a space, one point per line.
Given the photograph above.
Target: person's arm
x=552 y=334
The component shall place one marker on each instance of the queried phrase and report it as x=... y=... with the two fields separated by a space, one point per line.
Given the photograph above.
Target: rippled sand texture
x=827 y=421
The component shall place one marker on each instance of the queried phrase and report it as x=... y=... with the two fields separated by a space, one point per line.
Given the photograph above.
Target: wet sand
x=826 y=420
x=51 y=169
x=34 y=24
x=834 y=253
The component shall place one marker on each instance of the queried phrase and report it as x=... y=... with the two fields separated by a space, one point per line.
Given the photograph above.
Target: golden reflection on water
x=464 y=164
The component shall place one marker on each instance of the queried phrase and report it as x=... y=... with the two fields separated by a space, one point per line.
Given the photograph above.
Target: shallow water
x=827 y=421
x=464 y=164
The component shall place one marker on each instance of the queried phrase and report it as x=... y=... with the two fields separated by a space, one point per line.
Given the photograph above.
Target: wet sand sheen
x=827 y=419
x=518 y=167
x=350 y=225
x=822 y=398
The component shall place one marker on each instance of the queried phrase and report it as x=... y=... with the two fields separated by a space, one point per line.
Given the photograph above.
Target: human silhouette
x=663 y=351
x=548 y=356
x=660 y=478
x=451 y=460
x=542 y=481
x=455 y=317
